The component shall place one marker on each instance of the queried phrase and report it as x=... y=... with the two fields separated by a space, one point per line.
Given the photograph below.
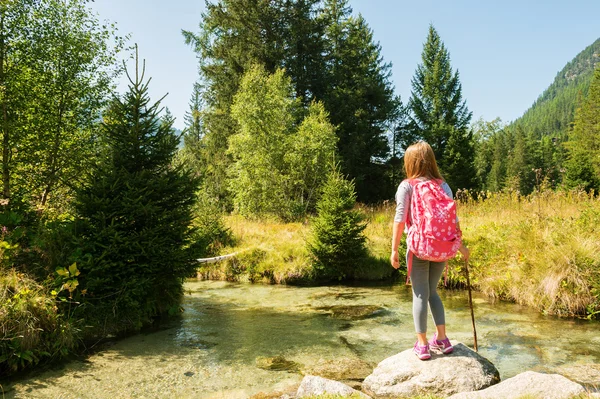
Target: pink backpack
x=433 y=234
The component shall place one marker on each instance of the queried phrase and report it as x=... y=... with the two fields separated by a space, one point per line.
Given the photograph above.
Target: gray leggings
x=425 y=276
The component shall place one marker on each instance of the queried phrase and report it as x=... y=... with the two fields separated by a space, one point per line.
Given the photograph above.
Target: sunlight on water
x=215 y=350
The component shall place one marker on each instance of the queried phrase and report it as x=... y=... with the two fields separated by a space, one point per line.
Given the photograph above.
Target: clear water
x=212 y=351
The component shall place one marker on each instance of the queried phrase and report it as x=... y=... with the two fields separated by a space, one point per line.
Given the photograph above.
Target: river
x=218 y=347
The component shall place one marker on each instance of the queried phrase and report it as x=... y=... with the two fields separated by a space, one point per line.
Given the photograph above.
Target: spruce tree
x=497 y=177
x=337 y=244
x=582 y=168
x=459 y=160
x=135 y=216
x=193 y=133
x=520 y=169
x=439 y=114
x=304 y=45
x=359 y=98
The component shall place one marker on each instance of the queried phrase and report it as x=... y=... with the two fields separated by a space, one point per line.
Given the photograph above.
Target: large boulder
x=404 y=375
x=312 y=385
x=529 y=384
x=587 y=374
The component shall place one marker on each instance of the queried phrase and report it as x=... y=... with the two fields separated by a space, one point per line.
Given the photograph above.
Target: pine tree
x=583 y=163
x=337 y=244
x=359 y=99
x=459 y=160
x=496 y=178
x=520 y=171
x=193 y=133
x=135 y=216
x=439 y=114
x=304 y=46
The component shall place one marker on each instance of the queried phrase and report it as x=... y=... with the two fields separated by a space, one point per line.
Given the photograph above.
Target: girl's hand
x=394 y=260
x=465 y=252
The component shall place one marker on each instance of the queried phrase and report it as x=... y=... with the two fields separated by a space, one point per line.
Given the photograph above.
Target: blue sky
x=507 y=52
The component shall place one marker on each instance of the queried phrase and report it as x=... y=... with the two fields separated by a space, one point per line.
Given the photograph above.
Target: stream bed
x=235 y=340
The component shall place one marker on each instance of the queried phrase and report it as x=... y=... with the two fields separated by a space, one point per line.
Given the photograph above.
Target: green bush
x=337 y=244
x=211 y=234
x=19 y=228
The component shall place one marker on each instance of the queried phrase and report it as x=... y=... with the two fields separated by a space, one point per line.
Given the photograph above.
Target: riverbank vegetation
x=539 y=250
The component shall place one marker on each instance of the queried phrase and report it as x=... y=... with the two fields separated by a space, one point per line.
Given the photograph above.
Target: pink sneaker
x=422 y=351
x=443 y=346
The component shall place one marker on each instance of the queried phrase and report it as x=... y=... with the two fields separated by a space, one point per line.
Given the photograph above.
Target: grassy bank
x=275 y=252
x=542 y=250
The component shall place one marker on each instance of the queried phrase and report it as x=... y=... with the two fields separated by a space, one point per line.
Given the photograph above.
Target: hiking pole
x=471 y=304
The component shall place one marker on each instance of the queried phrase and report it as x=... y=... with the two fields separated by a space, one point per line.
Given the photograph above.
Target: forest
x=293 y=121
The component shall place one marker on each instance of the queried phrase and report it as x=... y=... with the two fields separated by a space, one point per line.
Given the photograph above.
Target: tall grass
x=31 y=328
x=540 y=250
x=267 y=251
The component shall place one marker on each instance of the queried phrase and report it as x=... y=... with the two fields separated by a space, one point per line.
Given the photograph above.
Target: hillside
x=553 y=111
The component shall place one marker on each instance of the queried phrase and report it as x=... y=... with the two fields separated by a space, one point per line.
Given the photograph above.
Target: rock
x=276 y=363
x=584 y=374
x=352 y=312
x=404 y=375
x=312 y=385
x=340 y=369
x=529 y=384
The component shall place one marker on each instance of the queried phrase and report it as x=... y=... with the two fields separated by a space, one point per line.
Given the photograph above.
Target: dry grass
x=542 y=250
x=275 y=252
x=269 y=251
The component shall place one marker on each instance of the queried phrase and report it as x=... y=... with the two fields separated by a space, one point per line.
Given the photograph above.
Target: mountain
x=553 y=111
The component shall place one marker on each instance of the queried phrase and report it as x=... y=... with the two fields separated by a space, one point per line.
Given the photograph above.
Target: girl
x=419 y=163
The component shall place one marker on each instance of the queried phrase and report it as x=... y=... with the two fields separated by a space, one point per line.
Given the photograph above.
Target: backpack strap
x=412 y=183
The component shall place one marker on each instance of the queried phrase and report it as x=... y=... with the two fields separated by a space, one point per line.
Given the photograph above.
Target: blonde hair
x=419 y=161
